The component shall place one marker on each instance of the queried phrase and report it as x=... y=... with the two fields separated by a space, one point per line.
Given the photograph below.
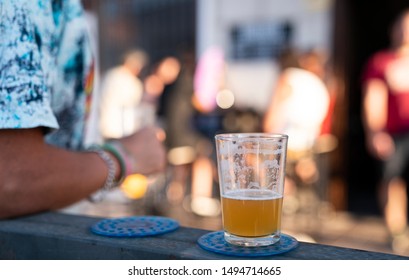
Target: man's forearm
x=35 y=176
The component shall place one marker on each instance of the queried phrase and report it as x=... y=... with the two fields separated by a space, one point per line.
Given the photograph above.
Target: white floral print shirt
x=45 y=68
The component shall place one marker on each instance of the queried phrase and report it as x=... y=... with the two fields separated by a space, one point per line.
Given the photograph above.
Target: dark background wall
x=160 y=27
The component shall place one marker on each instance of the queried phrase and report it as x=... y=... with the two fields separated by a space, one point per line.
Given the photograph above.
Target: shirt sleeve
x=24 y=94
x=374 y=69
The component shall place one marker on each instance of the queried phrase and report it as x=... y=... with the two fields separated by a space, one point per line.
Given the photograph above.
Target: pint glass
x=251 y=170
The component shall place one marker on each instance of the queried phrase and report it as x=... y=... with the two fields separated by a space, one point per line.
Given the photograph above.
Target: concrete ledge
x=60 y=236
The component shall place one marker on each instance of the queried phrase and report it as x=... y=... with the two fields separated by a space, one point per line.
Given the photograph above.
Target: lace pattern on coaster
x=135 y=226
x=215 y=242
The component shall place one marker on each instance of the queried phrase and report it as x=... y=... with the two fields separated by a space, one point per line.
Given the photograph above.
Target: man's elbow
x=7 y=202
x=12 y=202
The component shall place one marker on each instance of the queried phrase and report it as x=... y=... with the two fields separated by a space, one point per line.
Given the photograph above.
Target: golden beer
x=252 y=213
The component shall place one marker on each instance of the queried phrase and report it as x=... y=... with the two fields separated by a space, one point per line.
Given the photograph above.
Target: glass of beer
x=251 y=170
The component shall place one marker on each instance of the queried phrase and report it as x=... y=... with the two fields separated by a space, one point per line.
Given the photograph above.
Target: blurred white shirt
x=121 y=95
x=304 y=110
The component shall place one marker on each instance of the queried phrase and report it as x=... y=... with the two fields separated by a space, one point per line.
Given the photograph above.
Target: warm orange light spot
x=135 y=186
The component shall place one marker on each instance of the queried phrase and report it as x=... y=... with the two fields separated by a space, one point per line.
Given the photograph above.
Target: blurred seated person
x=45 y=77
x=298 y=108
x=121 y=94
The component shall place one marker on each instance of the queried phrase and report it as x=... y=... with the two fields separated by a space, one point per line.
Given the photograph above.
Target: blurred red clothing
x=389 y=67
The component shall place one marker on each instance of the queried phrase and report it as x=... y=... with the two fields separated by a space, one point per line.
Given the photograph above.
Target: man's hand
x=381 y=145
x=147 y=149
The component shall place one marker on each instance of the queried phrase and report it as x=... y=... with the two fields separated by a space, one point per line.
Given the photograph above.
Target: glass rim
x=251 y=135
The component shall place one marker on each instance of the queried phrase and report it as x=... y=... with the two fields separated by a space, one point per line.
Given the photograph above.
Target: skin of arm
x=272 y=118
x=35 y=176
x=379 y=143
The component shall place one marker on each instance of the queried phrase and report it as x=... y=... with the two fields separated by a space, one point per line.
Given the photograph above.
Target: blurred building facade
x=252 y=34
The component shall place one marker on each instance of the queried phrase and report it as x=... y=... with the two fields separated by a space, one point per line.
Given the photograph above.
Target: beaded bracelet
x=126 y=162
x=110 y=182
x=120 y=157
x=123 y=155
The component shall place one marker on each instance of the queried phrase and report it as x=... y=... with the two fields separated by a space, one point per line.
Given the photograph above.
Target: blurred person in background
x=386 y=123
x=176 y=111
x=209 y=83
x=185 y=142
x=45 y=89
x=300 y=101
x=166 y=77
x=298 y=108
x=121 y=94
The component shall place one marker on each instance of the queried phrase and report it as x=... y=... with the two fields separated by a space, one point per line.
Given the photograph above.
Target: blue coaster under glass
x=215 y=242
x=135 y=226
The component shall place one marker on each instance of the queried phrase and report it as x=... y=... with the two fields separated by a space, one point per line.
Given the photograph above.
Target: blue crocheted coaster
x=135 y=226
x=215 y=242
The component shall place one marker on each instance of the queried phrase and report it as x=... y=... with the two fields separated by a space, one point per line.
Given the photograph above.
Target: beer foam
x=251 y=194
